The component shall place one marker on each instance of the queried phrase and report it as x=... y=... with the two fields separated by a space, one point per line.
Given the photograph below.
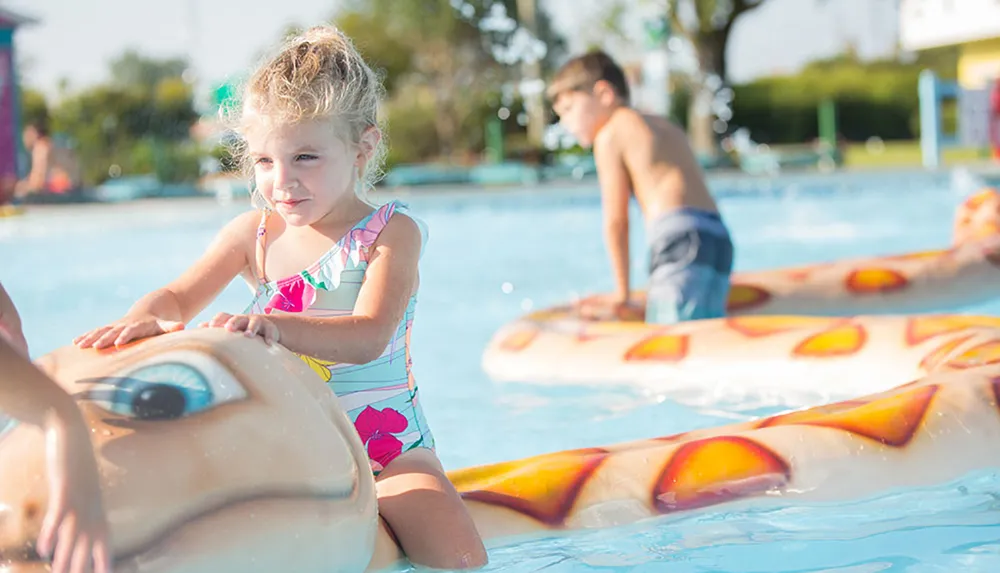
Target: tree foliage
x=440 y=68
x=138 y=121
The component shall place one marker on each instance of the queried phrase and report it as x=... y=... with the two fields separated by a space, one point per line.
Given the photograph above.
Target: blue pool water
x=494 y=255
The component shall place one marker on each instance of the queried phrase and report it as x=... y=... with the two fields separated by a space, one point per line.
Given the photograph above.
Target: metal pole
x=930 y=120
x=527 y=15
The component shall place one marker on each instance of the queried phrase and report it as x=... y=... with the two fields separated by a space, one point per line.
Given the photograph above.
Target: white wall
x=931 y=23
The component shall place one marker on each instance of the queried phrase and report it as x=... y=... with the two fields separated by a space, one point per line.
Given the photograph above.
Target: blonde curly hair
x=317 y=74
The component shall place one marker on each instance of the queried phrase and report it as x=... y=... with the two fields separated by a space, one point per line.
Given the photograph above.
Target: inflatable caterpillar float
x=218 y=453
x=555 y=345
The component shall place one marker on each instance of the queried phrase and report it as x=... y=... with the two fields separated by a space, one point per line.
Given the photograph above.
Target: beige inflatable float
x=966 y=272
x=219 y=454
x=554 y=345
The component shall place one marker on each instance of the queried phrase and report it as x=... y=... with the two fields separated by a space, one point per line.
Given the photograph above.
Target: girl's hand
x=125 y=331
x=250 y=324
x=75 y=530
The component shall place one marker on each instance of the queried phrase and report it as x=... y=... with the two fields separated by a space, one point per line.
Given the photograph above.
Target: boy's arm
x=616 y=187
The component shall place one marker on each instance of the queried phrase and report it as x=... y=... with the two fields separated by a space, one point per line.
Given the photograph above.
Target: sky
x=75 y=39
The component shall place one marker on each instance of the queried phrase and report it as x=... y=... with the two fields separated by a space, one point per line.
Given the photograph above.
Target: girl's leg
x=426 y=514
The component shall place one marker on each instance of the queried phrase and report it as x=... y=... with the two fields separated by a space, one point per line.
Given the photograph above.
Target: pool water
x=492 y=256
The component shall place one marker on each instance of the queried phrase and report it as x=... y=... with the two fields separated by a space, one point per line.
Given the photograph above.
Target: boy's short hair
x=40 y=125
x=583 y=72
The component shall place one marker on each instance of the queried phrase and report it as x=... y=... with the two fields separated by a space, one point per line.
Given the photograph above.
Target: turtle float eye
x=172 y=386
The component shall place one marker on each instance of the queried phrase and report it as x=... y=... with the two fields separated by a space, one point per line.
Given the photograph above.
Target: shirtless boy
x=691 y=254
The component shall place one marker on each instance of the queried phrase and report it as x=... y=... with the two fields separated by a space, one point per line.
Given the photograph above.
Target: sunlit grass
x=906 y=154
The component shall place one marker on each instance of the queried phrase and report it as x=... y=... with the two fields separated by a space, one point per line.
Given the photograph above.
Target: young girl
x=335 y=280
x=75 y=530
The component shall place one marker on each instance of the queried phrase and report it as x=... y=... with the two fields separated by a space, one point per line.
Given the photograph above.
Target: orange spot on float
x=519 y=339
x=922 y=328
x=761 y=326
x=744 y=296
x=810 y=414
x=937 y=356
x=874 y=280
x=980 y=355
x=919 y=256
x=892 y=420
x=837 y=341
x=660 y=348
x=544 y=487
x=716 y=470
x=977 y=200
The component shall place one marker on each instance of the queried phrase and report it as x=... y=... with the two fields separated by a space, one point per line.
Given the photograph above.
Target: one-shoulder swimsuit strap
x=381 y=397
x=260 y=250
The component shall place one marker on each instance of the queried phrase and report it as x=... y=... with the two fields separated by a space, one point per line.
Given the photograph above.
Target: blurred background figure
x=54 y=168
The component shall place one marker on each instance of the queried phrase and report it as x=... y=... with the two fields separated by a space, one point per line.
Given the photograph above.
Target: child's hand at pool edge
x=249 y=324
x=127 y=330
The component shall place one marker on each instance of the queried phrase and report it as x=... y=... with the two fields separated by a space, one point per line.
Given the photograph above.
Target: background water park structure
x=12 y=165
x=975 y=32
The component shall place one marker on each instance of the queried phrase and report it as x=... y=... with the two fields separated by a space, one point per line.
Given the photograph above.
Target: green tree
x=139 y=121
x=34 y=108
x=447 y=56
x=708 y=32
x=531 y=20
x=439 y=50
x=133 y=70
x=387 y=53
x=707 y=26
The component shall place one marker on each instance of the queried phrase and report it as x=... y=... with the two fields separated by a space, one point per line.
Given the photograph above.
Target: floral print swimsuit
x=380 y=397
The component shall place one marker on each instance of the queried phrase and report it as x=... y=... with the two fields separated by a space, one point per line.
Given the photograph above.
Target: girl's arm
x=10 y=323
x=389 y=282
x=75 y=528
x=171 y=307
x=28 y=395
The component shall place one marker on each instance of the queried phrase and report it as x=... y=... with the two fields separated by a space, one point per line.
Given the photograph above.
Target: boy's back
x=691 y=254
x=664 y=172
